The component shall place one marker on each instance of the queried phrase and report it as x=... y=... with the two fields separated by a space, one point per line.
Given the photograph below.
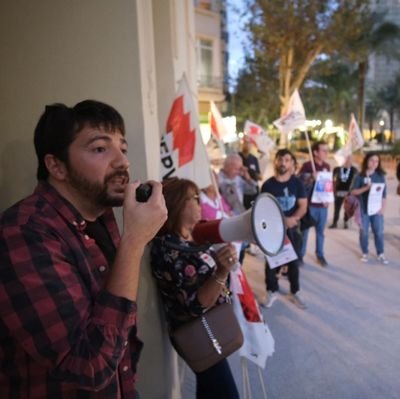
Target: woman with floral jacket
x=191 y=279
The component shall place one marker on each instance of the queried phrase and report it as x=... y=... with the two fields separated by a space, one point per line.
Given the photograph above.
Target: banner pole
x=245 y=379
x=262 y=383
x=310 y=151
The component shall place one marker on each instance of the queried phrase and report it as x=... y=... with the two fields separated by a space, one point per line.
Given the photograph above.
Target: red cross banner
x=218 y=128
x=183 y=153
x=258 y=136
x=258 y=342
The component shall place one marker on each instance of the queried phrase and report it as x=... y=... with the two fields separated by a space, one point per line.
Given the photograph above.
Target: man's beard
x=96 y=193
x=281 y=170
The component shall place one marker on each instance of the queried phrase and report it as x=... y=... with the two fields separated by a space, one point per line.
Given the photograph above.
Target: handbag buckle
x=217 y=346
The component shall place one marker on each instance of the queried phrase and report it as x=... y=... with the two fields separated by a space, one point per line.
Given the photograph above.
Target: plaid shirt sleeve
x=52 y=305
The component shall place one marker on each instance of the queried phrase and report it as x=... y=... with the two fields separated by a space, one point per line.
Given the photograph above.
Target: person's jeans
x=320 y=215
x=216 y=382
x=271 y=280
x=338 y=204
x=376 y=222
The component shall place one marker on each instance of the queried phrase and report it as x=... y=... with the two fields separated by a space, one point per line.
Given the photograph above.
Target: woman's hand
x=226 y=259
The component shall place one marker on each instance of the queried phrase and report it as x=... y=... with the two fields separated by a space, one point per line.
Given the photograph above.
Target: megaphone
x=263 y=224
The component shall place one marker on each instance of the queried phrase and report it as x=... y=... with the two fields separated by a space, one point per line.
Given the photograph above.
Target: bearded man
x=69 y=281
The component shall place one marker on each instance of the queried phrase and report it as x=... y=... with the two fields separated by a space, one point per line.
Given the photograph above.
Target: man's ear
x=56 y=168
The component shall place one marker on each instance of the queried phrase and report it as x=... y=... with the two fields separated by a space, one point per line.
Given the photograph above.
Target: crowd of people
x=69 y=278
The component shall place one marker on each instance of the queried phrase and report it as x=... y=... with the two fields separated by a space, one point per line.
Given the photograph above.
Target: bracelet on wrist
x=220 y=281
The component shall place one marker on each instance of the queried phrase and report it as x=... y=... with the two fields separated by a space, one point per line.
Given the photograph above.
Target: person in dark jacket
x=342 y=179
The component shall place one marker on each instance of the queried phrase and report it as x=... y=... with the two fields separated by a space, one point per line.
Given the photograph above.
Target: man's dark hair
x=284 y=151
x=59 y=125
x=317 y=144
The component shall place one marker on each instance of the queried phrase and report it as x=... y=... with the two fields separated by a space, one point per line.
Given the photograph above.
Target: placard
x=323 y=188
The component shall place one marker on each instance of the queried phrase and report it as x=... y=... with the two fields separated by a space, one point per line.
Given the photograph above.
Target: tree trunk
x=362 y=72
x=285 y=76
x=391 y=125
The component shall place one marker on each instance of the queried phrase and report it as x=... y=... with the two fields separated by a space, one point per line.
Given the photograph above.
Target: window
x=205 y=62
x=203 y=4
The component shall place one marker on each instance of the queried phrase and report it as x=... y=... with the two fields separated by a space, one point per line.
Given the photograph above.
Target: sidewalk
x=346 y=344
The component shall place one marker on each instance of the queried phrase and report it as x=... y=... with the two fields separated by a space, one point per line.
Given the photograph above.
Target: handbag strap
x=210 y=334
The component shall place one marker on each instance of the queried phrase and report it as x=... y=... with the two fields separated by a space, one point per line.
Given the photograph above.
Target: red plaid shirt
x=61 y=334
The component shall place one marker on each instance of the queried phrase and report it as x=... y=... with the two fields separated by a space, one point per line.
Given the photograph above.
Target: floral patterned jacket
x=179 y=275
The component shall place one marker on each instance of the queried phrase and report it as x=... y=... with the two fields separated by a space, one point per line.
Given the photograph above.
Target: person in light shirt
x=318 y=211
x=371 y=172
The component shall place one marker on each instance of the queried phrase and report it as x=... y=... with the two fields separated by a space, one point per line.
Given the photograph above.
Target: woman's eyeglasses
x=196 y=197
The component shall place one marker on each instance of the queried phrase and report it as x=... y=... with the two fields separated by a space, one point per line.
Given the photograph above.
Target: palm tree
x=376 y=37
x=372 y=108
x=389 y=97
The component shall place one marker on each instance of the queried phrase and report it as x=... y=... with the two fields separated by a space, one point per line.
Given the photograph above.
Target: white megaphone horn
x=263 y=224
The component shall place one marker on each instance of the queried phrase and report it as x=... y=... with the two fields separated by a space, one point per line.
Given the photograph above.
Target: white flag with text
x=295 y=116
x=183 y=153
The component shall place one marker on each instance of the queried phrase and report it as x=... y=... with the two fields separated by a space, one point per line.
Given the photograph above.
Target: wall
x=127 y=53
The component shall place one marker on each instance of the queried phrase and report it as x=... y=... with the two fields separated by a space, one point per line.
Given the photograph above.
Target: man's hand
x=245 y=173
x=142 y=220
x=291 y=221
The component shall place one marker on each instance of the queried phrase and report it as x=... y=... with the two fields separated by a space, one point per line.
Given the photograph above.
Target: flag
x=182 y=150
x=258 y=343
x=355 y=139
x=218 y=128
x=354 y=142
x=294 y=117
x=258 y=136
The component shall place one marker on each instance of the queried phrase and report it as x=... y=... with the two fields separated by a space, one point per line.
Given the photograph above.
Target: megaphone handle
x=216 y=247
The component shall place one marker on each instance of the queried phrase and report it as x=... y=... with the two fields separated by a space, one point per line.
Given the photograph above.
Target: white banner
x=183 y=153
x=295 y=116
x=258 y=342
x=217 y=125
x=355 y=139
x=258 y=136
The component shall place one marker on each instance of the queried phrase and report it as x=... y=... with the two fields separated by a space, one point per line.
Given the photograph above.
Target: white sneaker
x=272 y=297
x=382 y=259
x=296 y=300
x=364 y=258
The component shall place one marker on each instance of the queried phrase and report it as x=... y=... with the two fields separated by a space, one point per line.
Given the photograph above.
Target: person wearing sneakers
x=367 y=180
x=318 y=211
x=291 y=195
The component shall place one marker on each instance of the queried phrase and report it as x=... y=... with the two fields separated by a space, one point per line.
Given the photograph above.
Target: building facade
x=383 y=69
x=211 y=54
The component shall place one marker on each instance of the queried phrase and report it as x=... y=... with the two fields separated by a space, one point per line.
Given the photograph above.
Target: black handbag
x=208 y=339
x=307 y=221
